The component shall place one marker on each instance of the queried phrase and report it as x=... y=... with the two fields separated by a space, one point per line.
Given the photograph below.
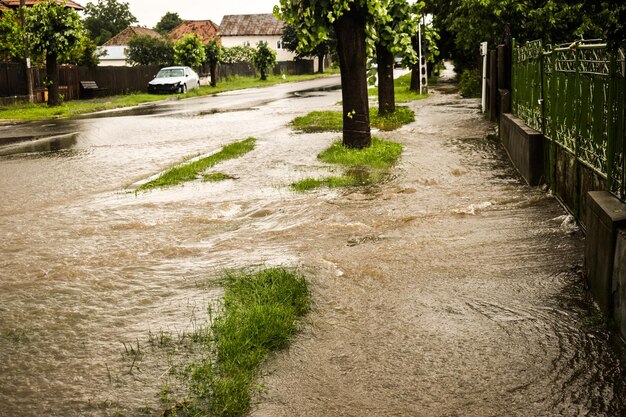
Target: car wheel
x=184 y=88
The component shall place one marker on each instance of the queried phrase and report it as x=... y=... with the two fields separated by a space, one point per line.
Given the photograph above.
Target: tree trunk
x=415 y=68
x=213 y=71
x=263 y=75
x=27 y=70
x=350 y=30
x=320 y=63
x=386 y=94
x=52 y=74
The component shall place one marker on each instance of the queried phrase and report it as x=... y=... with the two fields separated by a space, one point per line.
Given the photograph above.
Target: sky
x=149 y=12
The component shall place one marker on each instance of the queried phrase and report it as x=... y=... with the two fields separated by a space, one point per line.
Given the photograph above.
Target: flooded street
x=450 y=290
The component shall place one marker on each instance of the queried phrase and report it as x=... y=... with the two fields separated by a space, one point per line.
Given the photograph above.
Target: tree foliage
x=214 y=53
x=11 y=36
x=54 y=30
x=353 y=22
x=148 y=50
x=107 y=18
x=264 y=59
x=323 y=48
x=189 y=51
x=463 y=24
x=168 y=22
x=236 y=54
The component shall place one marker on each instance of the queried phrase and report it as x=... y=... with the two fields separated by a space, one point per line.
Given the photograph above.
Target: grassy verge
x=401 y=88
x=365 y=166
x=260 y=314
x=332 y=121
x=189 y=171
x=41 y=111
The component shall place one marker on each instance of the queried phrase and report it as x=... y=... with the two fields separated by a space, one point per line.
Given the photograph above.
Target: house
x=204 y=29
x=116 y=47
x=250 y=29
x=14 y=4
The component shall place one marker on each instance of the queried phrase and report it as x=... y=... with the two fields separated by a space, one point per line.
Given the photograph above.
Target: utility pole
x=27 y=70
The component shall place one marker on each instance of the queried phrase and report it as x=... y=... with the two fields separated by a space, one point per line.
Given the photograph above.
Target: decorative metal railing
x=574 y=95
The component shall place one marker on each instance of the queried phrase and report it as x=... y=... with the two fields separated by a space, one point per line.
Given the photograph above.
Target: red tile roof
x=250 y=24
x=122 y=38
x=14 y=4
x=204 y=29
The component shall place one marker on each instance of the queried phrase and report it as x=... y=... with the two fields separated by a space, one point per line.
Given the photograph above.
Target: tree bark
x=27 y=70
x=320 y=63
x=415 y=68
x=350 y=30
x=52 y=74
x=213 y=71
x=386 y=93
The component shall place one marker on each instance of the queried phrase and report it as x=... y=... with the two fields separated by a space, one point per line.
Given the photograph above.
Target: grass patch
x=190 y=171
x=319 y=121
x=381 y=154
x=41 y=111
x=259 y=315
x=216 y=177
x=332 y=121
x=392 y=121
x=402 y=90
x=365 y=166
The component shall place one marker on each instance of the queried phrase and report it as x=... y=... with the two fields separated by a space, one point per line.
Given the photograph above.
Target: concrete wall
x=524 y=146
x=619 y=281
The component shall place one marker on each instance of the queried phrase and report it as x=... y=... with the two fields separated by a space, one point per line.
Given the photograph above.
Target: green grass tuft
x=402 y=90
x=332 y=121
x=216 y=177
x=319 y=121
x=190 y=171
x=259 y=316
x=381 y=154
x=366 y=166
x=392 y=121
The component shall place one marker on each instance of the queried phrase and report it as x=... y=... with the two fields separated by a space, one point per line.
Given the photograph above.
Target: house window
x=278 y=45
x=246 y=43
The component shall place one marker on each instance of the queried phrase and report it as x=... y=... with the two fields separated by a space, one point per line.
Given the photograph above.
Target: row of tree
x=463 y=24
x=378 y=29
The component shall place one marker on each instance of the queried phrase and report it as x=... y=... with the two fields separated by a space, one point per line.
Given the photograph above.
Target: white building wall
x=115 y=56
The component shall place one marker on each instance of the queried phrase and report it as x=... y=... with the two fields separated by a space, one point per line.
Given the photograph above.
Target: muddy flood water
x=452 y=289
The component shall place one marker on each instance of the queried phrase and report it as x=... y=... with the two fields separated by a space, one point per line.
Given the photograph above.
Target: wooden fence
x=117 y=80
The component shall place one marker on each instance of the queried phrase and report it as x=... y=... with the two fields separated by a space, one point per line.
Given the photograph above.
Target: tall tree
x=264 y=59
x=189 y=51
x=320 y=51
x=148 y=50
x=168 y=22
x=469 y=22
x=107 y=18
x=214 y=54
x=313 y=20
x=11 y=36
x=54 y=30
x=394 y=38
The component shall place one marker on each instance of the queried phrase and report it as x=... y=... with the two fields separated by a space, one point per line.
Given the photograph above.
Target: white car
x=174 y=80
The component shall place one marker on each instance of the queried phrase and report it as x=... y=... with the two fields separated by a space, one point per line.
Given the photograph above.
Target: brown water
x=450 y=290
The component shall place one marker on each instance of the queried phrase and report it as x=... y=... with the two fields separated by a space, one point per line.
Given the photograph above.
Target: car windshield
x=169 y=73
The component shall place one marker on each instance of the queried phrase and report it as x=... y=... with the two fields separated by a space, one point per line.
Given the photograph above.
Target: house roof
x=250 y=24
x=124 y=36
x=14 y=4
x=204 y=29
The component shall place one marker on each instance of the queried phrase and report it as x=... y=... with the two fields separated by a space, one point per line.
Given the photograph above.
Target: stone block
x=524 y=146
x=605 y=216
x=619 y=282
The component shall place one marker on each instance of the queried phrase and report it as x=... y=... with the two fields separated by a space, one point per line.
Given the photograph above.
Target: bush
x=469 y=84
